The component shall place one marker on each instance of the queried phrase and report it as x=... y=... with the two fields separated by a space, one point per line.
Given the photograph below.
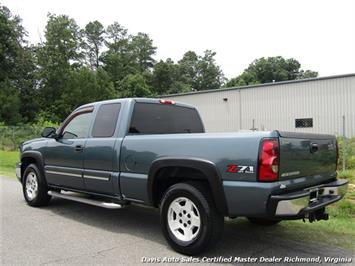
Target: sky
x=320 y=34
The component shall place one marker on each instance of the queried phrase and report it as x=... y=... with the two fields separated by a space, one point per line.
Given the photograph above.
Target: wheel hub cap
x=31 y=186
x=184 y=219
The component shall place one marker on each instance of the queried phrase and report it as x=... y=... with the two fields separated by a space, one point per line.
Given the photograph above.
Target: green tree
x=166 y=79
x=210 y=74
x=11 y=41
x=192 y=72
x=271 y=69
x=86 y=86
x=127 y=55
x=163 y=77
x=116 y=34
x=143 y=50
x=244 y=79
x=200 y=72
x=28 y=84
x=63 y=39
x=16 y=68
x=188 y=69
x=305 y=74
x=57 y=57
x=93 y=41
x=134 y=85
x=10 y=103
x=119 y=60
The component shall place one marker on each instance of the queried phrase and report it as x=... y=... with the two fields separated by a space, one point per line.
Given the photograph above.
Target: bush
x=12 y=136
x=350 y=153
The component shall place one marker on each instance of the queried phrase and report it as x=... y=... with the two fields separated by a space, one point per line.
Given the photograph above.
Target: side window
x=106 y=120
x=78 y=127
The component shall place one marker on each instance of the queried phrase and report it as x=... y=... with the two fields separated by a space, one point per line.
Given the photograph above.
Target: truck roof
x=141 y=100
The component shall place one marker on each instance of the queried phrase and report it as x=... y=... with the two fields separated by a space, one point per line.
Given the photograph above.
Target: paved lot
x=72 y=233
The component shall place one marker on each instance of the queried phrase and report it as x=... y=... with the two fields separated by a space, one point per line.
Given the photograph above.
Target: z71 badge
x=233 y=168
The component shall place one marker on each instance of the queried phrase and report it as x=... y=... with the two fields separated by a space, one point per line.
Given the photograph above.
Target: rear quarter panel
x=222 y=149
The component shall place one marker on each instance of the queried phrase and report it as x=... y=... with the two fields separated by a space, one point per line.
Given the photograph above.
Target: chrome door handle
x=79 y=147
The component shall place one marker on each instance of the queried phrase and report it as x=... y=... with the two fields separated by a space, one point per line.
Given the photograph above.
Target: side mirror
x=48 y=132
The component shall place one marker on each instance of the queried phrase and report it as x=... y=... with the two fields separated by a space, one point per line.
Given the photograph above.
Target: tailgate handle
x=314 y=147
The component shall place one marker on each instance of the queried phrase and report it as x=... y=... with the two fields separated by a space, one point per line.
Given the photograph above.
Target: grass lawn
x=8 y=161
x=339 y=230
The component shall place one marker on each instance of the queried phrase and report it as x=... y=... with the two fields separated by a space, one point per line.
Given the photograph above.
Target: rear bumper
x=256 y=199
x=308 y=200
x=18 y=171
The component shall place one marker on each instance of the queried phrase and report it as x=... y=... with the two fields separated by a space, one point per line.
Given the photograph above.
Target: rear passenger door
x=102 y=151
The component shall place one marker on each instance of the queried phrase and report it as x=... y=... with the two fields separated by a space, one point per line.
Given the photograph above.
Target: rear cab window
x=155 y=118
x=106 y=120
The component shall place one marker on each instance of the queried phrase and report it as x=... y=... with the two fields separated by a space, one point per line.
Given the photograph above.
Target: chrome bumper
x=310 y=199
x=18 y=171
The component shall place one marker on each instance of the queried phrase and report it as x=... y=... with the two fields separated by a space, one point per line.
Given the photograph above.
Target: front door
x=64 y=155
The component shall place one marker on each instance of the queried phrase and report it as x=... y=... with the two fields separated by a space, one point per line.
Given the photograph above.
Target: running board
x=107 y=205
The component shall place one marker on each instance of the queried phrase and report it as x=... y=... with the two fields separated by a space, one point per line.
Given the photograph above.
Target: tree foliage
x=74 y=66
x=201 y=72
x=134 y=85
x=93 y=42
x=165 y=78
x=143 y=51
x=57 y=57
x=192 y=73
x=271 y=69
x=16 y=68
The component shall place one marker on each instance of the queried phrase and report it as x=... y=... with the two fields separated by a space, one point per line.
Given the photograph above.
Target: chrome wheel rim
x=184 y=219
x=31 y=186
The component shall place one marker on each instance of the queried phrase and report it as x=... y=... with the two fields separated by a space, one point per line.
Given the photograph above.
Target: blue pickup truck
x=156 y=152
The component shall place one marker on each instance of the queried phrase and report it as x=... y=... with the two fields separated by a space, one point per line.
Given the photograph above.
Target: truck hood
x=33 y=141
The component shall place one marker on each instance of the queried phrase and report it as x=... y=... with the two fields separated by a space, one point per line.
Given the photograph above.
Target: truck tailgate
x=307 y=155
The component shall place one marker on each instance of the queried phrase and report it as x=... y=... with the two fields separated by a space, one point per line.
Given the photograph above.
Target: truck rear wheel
x=35 y=187
x=189 y=218
x=263 y=221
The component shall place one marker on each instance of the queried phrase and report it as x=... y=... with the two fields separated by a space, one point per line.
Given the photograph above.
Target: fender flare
x=39 y=159
x=208 y=168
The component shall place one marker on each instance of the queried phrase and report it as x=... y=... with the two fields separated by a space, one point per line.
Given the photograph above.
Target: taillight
x=269 y=160
x=167 y=102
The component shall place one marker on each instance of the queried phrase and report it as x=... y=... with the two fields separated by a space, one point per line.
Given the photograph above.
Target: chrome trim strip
x=61 y=168
x=96 y=177
x=62 y=173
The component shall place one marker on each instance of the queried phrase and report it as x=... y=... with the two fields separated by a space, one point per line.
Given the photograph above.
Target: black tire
x=212 y=222
x=263 y=221
x=41 y=198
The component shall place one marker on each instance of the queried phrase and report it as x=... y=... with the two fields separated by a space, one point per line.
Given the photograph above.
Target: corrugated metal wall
x=276 y=106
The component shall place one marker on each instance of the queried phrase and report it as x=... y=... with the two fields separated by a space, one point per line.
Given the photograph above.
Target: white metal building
x=309 y=105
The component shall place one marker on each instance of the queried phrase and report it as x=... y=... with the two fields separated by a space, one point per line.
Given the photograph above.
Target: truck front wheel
x=189 y=218
x=34 y=187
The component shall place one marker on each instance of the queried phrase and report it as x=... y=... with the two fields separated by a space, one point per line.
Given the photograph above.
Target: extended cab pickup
x=156 y=152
